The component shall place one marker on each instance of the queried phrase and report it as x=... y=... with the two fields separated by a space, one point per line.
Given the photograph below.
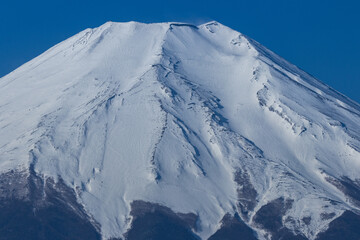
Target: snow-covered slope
x=200 y=119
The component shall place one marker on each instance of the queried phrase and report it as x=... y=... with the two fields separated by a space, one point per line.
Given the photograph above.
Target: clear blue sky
x=320 y=36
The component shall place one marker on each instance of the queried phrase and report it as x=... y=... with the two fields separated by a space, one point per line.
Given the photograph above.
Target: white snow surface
x=167 y=113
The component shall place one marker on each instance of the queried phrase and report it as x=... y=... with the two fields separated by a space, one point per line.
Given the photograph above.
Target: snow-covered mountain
x=135 y=128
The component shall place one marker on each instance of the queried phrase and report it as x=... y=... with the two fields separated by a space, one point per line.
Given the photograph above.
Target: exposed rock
x=35 y=208
x=246 y=192
x=349 y=187
x=233 y=228
x=270 y=217
x=153 y=221
x=344 y=227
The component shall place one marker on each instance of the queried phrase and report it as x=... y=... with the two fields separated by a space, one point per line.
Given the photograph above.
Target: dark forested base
x=347 y=226
x=233 y=228
x=153 y=221
x=31 y=208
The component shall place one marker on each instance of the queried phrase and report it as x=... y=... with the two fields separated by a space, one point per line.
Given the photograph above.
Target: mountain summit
x=174 y=131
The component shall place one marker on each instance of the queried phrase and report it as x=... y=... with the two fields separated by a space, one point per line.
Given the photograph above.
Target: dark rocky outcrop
x=34 y=208
x=270 y=217
x=233 y=228
x=153 y=221
x=246 y=192
x=349 y=187
x=347 y=226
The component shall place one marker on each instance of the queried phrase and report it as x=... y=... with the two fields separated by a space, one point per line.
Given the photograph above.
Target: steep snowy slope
x=197 y=119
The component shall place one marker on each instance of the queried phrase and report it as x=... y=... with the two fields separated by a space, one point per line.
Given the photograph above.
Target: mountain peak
x=199 y=123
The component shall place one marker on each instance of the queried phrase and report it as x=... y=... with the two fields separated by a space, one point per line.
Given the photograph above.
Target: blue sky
x=320 y=36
